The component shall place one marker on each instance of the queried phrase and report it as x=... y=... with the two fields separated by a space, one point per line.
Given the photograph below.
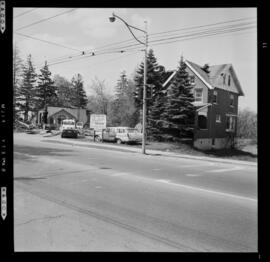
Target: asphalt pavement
x=77 y=198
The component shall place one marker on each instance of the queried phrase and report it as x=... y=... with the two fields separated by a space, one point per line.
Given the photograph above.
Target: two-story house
x=216 y=99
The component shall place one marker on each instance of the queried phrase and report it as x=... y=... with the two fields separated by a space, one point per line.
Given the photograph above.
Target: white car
x=127 y=135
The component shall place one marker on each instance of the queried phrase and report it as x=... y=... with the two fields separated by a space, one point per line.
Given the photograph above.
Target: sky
x=73 y=31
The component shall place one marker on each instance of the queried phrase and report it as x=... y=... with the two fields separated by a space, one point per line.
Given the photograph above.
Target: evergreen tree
x=64 y=91
x=154 y=86
x=26 y=92
x=17 y=79
x=79 y=98
x=46 y=91
x=154 y=83
x=179 y=113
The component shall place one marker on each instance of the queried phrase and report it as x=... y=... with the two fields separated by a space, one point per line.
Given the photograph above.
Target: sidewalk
x=90 y=143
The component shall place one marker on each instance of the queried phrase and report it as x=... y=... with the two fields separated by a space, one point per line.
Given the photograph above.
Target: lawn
x=244 y=150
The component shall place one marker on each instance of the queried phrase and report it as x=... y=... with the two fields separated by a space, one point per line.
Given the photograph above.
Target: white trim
x=198 y=75
x=169 y=79
x=203 y=107
x=196 y=97
x=231 y=115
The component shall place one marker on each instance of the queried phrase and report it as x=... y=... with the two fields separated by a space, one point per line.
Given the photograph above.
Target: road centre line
x=206 y=190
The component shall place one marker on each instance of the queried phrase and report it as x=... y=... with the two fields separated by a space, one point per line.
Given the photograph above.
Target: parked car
x=109 y=134
x=79 y=127
x=69 y=133
x=127 y=135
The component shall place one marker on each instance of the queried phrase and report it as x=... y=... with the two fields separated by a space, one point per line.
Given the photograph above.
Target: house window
x=215 y=97
x=218 y=118
x=202 y=122
x=229 y=80
x=231 y=100
x=198 y=95
x=230 y=123
x=224 y=78
x=192 y=80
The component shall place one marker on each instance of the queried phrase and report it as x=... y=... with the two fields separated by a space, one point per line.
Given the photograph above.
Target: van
x=68 y=124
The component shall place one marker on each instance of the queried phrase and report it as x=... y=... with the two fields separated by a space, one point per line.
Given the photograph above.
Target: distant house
x=216 y=99
x=57 y=114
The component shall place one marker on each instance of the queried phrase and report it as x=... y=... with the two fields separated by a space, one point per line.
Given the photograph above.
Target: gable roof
x=64 y=111
x=211 y=79
x=200 y=73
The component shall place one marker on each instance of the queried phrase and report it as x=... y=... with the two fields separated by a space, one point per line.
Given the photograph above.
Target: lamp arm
x=130 y=26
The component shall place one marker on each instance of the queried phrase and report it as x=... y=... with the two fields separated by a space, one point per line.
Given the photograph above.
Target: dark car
x=69 y=133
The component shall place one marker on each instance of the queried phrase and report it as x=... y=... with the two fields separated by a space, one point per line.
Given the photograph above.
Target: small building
x=216 y=99
x=56 y=115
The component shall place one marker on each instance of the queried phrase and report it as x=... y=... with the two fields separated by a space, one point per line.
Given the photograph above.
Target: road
x=71 y=198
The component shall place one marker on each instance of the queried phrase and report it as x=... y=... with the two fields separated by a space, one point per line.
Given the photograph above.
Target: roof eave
x=198 y=75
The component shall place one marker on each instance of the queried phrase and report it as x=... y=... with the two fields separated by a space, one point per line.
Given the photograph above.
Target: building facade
x=216 y=100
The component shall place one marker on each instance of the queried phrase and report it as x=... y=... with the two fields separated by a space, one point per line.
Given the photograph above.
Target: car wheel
x=97 y=139
x=118 y=141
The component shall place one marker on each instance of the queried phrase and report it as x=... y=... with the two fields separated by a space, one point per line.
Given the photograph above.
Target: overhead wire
x=46 y=41
x=45 y=19
x=189 y=35
x=185 y=38
x=151 y=36
x=24 y=13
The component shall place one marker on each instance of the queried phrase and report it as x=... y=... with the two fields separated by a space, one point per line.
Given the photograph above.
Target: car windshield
x=132 y=130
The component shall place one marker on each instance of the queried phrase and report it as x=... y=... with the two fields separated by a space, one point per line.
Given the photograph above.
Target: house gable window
x=224 y=78
x=215 y=96
x=192 y=80
x=231 y=100
x=229 y=80
x=198 y=95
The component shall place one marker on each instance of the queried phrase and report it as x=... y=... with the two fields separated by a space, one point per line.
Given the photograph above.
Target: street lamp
x=112 y=19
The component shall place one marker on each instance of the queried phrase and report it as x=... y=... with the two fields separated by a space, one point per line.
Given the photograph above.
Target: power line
x=187 y=28
x=188 y=34
x=48 y=42
x=151 y=36
x=191 y=35
x=196 y=37
x=24 y=13
x=45 y=19
x=218 y=30
x=201 y=34
x=88 y=56
x=165 y=41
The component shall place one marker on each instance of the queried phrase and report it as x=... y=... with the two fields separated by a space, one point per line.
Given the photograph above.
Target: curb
x=160 y=153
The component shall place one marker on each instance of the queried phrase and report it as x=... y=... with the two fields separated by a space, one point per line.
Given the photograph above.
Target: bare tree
x=247 y=124
x=99 y=102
